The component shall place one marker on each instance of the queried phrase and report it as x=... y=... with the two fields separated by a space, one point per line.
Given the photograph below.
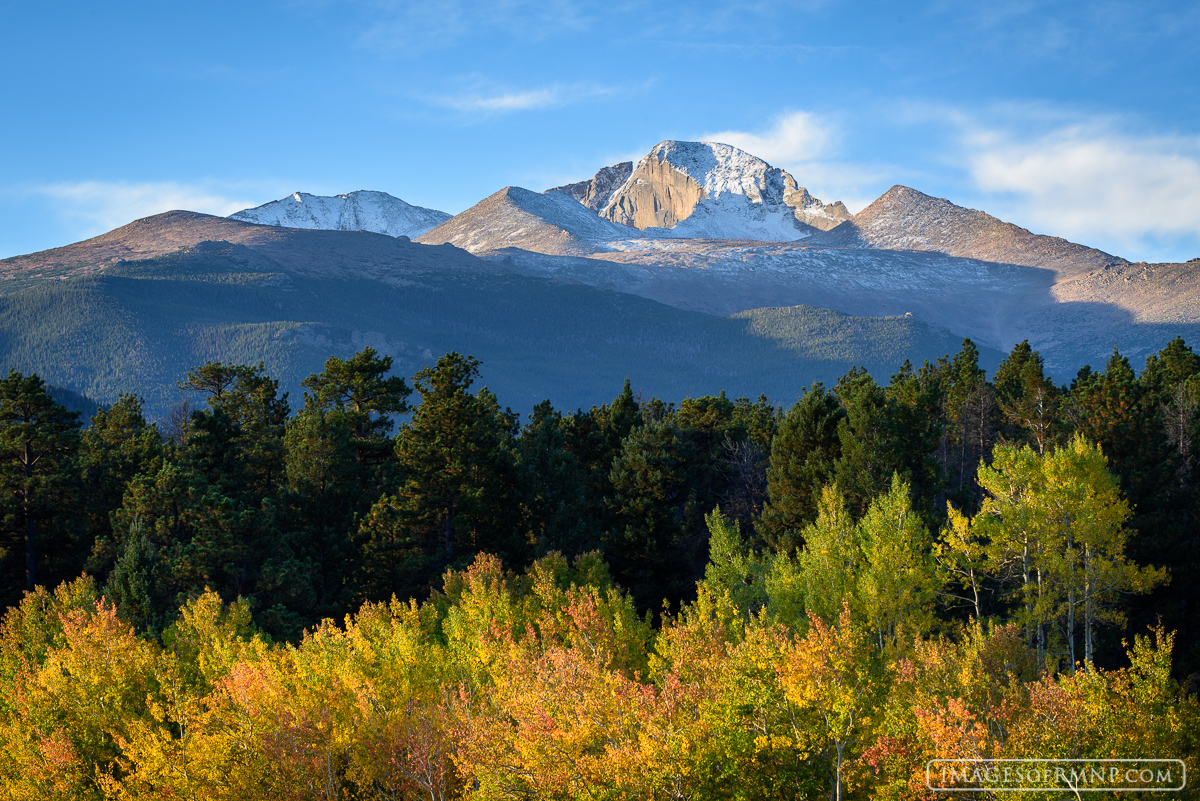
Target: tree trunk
x=27 y=511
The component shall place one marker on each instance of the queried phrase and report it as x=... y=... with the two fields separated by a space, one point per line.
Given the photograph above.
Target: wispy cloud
x=806 y=145
x=98 y=206
x=1091 y=182
x=524 y=100
x=490 y=100
x=794 y=138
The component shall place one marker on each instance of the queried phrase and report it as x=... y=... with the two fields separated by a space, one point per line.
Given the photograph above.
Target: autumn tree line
x=401 y=591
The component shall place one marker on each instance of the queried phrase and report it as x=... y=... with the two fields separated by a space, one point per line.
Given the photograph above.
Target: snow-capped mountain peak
x=364 y=210
x=706 y=190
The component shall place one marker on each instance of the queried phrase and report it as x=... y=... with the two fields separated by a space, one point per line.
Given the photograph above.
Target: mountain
x=563 y=301
x=550 y=223
x=598 y=190
x=135 y=309
x=267 y=249
x=680 y=190
x=905 y=219
x=377 y=212
x=706 y=190
x=955 y=267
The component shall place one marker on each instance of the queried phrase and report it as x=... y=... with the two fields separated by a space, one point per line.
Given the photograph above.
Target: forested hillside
x=398 y=588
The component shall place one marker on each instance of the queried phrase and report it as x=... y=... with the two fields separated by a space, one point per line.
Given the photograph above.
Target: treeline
x=307 y=516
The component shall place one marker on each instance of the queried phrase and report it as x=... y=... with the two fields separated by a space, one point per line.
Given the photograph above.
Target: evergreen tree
x=118 y=445
x=339 y=462
x=457 y=491
x=39 y=443
x=552 y=486
x=653 y=507
x=134 y=584
x=916 y=424
x=868 y=455
x=1028 y=399
x=803 y=457
x=594 y=438
x=357 y=387
x=971 y=419
x=1116 y=413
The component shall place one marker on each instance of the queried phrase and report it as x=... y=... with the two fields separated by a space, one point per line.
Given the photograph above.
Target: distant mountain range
x=699 y=268
x=378 y=212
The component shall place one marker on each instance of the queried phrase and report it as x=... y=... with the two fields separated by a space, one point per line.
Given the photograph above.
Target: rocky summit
x=706 y=190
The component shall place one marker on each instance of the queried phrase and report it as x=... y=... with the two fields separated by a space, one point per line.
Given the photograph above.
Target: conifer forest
x=396 y=588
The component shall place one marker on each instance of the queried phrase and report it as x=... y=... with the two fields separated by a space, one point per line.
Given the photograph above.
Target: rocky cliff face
x=377 y=212
x=723 y=191
x=598 y=190
x=812 y=211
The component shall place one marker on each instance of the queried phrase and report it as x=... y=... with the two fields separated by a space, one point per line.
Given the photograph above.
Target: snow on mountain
x=378 y=212
x=548 y=222
x=706 y=190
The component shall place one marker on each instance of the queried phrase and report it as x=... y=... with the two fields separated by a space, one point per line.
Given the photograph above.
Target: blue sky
x=1080 y=120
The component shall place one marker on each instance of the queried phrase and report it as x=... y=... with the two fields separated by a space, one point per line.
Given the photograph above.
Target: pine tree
x=118 y=445
x=971 y=418
x=552 y=487
x=39 y=442
x=457 y=493
x=357 y=387
x=869 y=455
x=803 y=455
x=652 y=506
x=1028 y=399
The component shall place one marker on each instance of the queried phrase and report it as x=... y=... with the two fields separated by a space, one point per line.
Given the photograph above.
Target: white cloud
x=1091 y=183
x=99 y=206
x=524 y=100
x=795 y=138
x=805 y=145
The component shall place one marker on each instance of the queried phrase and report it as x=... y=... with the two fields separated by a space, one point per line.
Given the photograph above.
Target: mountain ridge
x=903 y=218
